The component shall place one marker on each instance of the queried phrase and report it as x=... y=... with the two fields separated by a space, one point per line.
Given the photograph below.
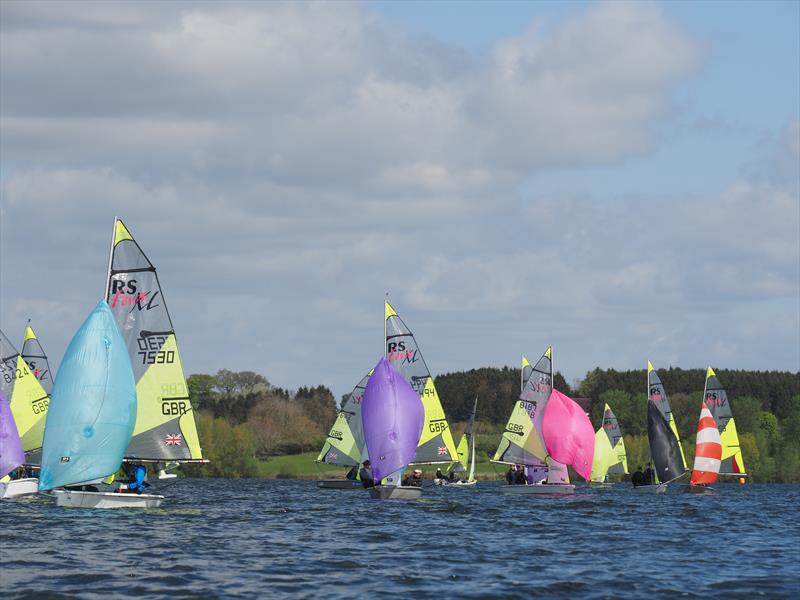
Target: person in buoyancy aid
x=649 y=475
x=440 y=475
x=352 y=474
x=453 y=477
x=415 y=479
x=637 y=478
x=511 y=474
x=521 y=478
x=366 y=475
x=135 y=483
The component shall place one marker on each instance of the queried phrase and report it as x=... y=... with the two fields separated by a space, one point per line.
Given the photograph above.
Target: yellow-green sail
x=345 y=442
x=609 y=448
x=28 y=400
x=165 y=427
x=716 y=398
x=436 y=443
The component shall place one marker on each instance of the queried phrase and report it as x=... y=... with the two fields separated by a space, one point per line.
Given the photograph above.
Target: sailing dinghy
x=393 y=416
x=662 y=433
x=718 y=404
x=609 y=451
x=29 y=403
x=466 y=456
x=345 y=445
x=707 y=453
x=165 y=433
x=91 y=418
x=34 y=356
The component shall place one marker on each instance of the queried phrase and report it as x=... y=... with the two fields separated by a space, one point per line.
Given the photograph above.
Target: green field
x=302 y=466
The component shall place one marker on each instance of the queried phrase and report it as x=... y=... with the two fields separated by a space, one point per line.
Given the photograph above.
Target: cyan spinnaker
x=93 y=408
x=393 y=416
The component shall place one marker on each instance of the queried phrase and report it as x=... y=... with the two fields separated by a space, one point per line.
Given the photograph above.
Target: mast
x=385 y=300
x=110 y=257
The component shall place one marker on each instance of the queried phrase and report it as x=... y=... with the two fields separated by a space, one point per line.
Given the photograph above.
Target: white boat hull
x=395 y=492
x=78 y=499
x=339 y=484
x=458 y=484
x=556 y=489
x=650 y=489
x=19 y=488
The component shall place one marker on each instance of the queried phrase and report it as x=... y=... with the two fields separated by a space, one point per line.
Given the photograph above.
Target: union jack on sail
x=173 y=439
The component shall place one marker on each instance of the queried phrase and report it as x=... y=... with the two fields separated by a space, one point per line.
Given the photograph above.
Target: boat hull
x=339 y=484
x=600 y=484
x=19 y=488
x=79 y=499
x=555 y=489
x=395 y=492
x=650 y=489
x=699 y=489
x=458 y=484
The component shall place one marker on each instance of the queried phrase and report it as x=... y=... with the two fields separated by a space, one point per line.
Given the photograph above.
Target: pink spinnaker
x=568 y=433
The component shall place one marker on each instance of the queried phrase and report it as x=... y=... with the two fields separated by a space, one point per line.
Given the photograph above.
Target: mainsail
x=165 y=427
x=345 y=443
x=11 y=452
x=393 y=417
x=708 y=450
x=665 y=443
x=34 y=356
x=466 y=447
x=609 y=448
x=26 y=396
x=717 y=401
x=436 y=444
x=93 y=412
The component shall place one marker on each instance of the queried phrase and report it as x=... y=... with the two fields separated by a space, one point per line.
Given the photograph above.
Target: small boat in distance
x=707 y=453
x=393 y=416
x=466 y=455
x=716 y=398
x=91 y=418
x=609 y=450
x=345 y=444
x=662 y=433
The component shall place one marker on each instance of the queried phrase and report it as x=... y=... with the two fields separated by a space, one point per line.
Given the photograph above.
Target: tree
x=202 y=391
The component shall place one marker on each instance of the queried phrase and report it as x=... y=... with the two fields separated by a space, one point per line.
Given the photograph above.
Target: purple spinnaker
x=11 y=453
x=393 y=415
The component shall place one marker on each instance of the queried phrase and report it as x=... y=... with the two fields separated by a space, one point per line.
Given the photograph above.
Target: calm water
x=223 y=538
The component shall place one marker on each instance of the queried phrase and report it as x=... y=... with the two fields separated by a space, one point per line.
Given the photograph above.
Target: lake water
x=274 y=539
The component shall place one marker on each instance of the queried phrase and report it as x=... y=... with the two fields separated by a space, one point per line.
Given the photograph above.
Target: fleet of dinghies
x=121 y=398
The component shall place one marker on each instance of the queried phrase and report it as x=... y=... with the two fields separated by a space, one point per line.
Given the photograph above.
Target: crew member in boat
x=439 y=475
x=649 y=475
x=453 y=478
x=136 y=479
x=366 y=475
x=521 y=478
x=352 y=474
x=638 y=477
x=511 y=474
x=415 y=479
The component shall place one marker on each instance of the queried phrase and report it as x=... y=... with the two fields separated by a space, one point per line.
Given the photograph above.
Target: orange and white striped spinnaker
x=708 y=451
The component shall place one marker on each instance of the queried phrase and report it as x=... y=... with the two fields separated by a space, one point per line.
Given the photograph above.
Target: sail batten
x=165 y=426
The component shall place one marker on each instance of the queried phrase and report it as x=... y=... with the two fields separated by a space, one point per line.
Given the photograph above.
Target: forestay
x=36 y=359
x=28 y=400
x=165 y=427
x=345 y=442
x=436 y=444
x=93 y=411
x=716 y=398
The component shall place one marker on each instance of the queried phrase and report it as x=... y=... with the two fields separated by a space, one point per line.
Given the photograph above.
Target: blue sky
x=619 y=180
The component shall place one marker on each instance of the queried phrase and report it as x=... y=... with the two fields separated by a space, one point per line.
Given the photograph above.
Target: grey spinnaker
x=436 y=443
x=716 y=398
x=664 y=446
x=34 y=355
x=345 y=444
x=165 y=427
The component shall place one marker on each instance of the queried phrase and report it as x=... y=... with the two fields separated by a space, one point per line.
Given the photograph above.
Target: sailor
x=511 y=474
x=415 y=479
x=521 y=478
x=136 y=476
x=366 y=475
x=638 y=477
x=352 y=474
x=649 y=475
x=439 y=475
x=453 y=477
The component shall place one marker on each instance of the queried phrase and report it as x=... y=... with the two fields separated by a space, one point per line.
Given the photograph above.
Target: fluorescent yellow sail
x=29 y=403
x=520 y=441
x=341 y=439
x=435 y=425
x=604 y=456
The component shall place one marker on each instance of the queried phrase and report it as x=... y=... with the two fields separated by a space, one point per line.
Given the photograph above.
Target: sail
x=609 y=448
x=658 y=397
x=34 y=356
x=345 y=442
x=466 y=445
x=436 y=444
x=93 y=411
x=568 y=433
x=393 y=417
x=708 y=450
x=717 y=401
x=522 y=440
x=11 y=453
x=27 y=398
x=664 y=446
x=165 y=427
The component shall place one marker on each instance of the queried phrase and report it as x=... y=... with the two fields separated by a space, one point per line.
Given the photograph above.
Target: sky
x=618 y=180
